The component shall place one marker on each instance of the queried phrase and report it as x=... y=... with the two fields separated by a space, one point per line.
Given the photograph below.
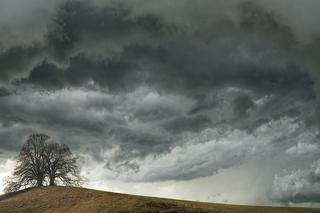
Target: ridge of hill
x=72 y=199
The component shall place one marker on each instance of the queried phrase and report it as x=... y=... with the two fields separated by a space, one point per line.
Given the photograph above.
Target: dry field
x=69 y=199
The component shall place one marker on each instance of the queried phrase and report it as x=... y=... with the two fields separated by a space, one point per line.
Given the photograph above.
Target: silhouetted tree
x=42 y=160
x=61 y=165
x=30 y=168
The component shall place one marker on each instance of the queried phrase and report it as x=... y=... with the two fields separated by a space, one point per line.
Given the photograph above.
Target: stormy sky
x=203 y=100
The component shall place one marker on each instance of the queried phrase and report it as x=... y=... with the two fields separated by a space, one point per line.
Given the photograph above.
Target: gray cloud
x=206 y=152
x=298 y=186
x=136 y=38
x=79 y=26
x=16 y=61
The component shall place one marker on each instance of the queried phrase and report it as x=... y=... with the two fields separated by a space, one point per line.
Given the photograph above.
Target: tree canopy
x=43 y=161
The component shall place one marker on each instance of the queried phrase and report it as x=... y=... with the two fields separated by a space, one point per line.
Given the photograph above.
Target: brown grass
x=70 y=199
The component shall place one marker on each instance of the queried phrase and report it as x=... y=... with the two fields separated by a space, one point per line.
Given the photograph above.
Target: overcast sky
x=203 y=100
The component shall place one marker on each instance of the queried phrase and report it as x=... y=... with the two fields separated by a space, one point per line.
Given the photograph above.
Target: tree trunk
x=52 y=182
x=40 y=182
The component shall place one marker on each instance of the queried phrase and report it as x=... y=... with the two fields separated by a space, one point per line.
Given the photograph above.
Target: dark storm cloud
x=264 y=23
x=242 y=104
x=4 y=92
x=15 y=60
x=48 y=111
x=189 y=66
x=116 y=75
x=136 y=143
x=186 y=61
x=187 y=123
x=79 y=24
x=193 y=65
x=92 y=114
x=83 y=36
x=82 y=28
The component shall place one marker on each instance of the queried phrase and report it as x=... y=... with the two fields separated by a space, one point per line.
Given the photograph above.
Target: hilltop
x=71 y=199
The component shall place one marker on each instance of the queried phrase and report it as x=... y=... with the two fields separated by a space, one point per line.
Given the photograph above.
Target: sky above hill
x=203 y=100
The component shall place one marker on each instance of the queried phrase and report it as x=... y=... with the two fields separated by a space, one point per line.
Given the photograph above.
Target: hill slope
x=69 y=199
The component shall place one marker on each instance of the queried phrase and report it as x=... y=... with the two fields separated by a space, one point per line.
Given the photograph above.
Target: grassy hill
x=69 y=199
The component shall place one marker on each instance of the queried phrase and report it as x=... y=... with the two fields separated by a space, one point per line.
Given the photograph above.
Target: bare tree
x=30 y=168
x=42 y=160
x=61 y=165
